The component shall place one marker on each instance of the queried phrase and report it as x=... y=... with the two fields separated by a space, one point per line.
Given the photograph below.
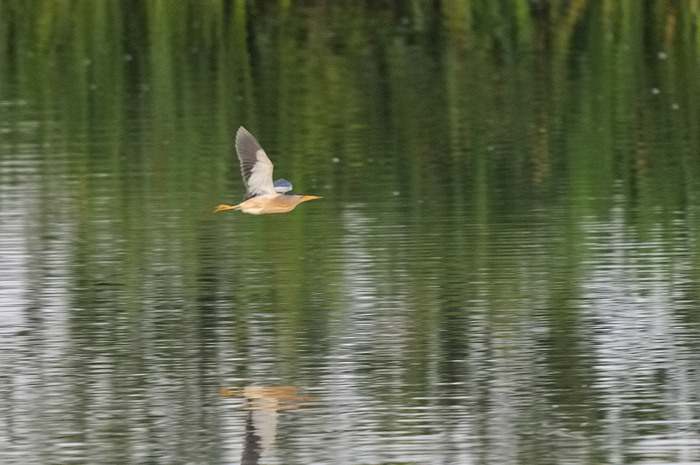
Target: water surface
x=503 y=269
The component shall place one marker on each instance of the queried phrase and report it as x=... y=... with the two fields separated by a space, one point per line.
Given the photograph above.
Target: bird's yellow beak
x=304 y=198
x=225 y=207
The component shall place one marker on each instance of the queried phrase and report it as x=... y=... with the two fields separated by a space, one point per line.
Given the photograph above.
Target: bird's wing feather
x=282 y=186
x=256 y=167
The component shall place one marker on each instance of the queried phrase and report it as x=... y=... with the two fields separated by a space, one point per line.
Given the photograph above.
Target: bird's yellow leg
x=226 y=207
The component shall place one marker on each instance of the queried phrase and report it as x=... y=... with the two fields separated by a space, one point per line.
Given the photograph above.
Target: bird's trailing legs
x=226 y=207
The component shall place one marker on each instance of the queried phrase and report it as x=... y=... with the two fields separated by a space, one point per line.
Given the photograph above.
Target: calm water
x=504 y=268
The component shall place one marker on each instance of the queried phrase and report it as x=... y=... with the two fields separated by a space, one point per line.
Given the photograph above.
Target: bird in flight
x=262 y=195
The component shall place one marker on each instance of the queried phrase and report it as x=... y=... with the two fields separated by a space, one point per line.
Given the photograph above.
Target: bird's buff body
x=271 y=203
x=262 y=196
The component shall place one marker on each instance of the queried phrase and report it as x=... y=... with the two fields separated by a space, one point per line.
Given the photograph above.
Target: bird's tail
x=226 y=207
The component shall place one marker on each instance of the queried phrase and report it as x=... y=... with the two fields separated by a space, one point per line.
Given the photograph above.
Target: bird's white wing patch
x=260 y=179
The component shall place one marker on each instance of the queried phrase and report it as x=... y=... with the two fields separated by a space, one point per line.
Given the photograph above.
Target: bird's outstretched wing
x=256 y=167
x=282 y=186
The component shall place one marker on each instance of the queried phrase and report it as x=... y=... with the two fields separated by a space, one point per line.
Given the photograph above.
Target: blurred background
x=504 y=268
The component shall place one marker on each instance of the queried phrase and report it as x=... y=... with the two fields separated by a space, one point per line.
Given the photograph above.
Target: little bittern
x=262 y=195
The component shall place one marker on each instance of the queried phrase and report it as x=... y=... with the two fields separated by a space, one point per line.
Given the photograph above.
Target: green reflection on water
x=485 y=168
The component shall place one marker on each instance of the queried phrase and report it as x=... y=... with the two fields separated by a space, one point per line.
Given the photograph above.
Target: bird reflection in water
x=263 y=404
